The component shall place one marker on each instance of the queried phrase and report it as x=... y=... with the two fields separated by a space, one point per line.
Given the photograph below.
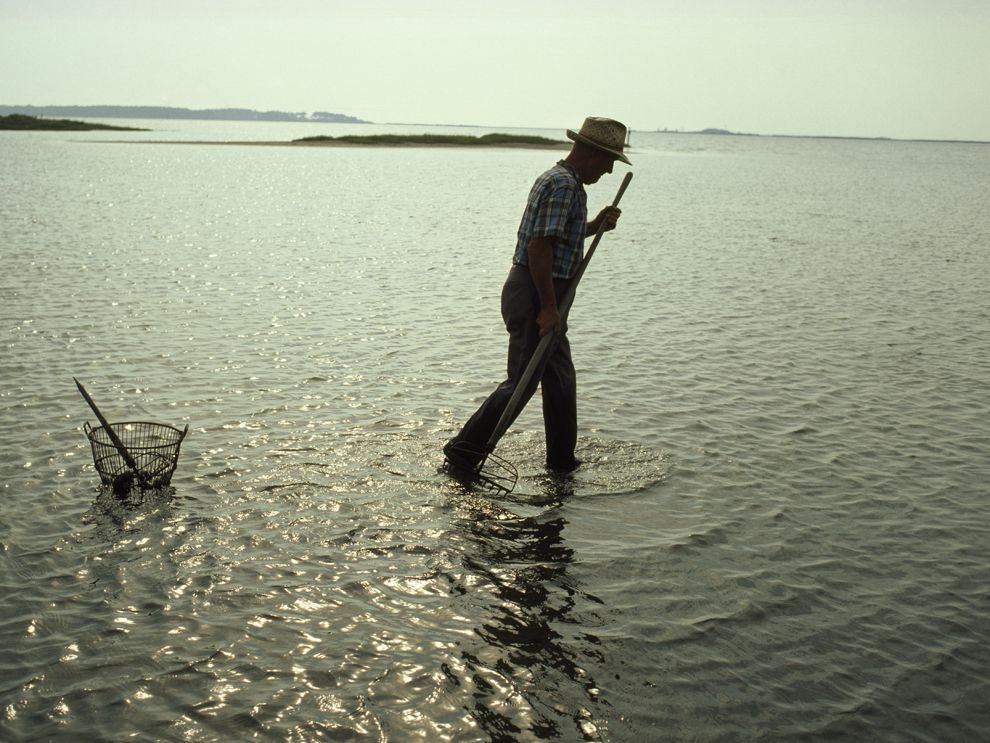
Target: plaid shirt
x=557 y=207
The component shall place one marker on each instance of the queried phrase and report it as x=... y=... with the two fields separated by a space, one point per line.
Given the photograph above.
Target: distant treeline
x=168 y=112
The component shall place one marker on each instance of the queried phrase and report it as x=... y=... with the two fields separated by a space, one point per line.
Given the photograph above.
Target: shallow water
x=780 y=532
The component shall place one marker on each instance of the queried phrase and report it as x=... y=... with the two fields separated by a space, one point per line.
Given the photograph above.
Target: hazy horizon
x=657 y=130
x=843 y=68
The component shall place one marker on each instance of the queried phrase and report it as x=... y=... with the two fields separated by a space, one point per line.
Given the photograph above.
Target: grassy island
x=461 y=140
x=33 y=123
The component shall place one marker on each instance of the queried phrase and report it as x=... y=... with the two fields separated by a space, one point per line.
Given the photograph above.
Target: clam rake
x=493 y=472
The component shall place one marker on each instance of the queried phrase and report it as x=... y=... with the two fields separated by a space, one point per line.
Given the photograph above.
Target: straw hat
x=603 y=134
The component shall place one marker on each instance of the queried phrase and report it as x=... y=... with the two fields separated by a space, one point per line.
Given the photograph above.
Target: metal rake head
x=497 y=474
x=476 y=468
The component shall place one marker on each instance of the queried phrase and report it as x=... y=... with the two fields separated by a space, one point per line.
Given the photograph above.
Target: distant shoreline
x=387 y=141
x=410 y=141
x=24 y=123
x=171 y=112
x=726 y=132
x=325 y=117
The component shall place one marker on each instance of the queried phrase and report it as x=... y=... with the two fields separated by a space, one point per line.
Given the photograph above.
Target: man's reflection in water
x=528 y=675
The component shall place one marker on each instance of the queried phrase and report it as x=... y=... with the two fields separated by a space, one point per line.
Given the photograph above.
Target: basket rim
x=90 y=430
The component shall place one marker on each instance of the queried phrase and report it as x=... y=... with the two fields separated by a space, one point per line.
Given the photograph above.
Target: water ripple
x=779 y=529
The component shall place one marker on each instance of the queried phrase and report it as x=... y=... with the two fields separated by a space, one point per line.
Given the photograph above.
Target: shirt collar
x=570 y=169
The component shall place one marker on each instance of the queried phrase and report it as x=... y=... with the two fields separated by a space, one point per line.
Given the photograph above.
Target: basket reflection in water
x=154 y=447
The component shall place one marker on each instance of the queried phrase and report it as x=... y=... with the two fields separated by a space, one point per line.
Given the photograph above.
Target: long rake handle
x=114 y=439
x=549 y=341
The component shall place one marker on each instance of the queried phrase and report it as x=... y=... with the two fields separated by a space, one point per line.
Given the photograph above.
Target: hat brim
x=577 y=137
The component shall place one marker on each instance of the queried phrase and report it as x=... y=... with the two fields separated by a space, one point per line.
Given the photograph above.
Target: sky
x=907 y=69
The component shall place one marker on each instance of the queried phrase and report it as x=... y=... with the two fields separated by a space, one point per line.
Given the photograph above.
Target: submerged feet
x=461 y=459
x=564 y=468
x=462 y=462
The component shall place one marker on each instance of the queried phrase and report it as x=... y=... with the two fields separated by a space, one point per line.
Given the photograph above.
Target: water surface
x=780 y=532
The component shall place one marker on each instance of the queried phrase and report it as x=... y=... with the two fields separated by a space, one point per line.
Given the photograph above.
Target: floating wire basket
x=154 y=447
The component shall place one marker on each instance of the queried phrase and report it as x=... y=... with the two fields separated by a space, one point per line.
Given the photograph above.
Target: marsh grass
x=489 y=140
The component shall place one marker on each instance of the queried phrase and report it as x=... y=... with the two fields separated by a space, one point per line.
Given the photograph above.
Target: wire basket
x=154 y=447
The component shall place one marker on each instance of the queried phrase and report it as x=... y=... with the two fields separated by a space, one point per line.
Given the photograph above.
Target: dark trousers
x=520 y=306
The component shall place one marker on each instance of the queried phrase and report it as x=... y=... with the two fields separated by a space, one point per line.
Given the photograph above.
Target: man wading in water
x=548 y=252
